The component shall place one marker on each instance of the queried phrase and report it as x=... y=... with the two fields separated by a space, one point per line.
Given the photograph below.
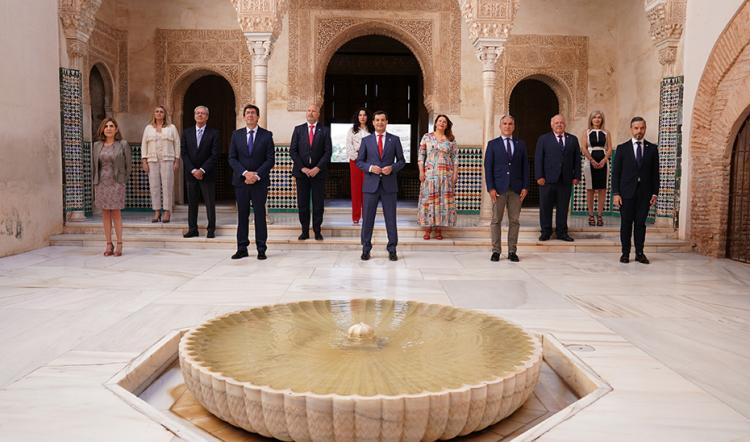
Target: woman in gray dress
x=110 y=172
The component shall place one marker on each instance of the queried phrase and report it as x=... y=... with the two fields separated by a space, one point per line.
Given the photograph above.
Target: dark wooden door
x=532 y=104
x=738 y=230
x=215 y=93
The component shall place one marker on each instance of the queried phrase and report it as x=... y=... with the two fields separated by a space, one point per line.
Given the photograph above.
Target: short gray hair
x=507 y=116
x=201 y=107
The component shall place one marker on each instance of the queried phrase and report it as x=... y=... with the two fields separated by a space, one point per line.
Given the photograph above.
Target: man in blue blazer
x=310 y=151
x=635 y=185
x=251 y=156
x=381 y=157
x=506 y=170
x=557 y=167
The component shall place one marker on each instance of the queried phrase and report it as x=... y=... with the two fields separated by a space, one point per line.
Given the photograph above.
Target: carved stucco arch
x=721 y=105
x=176 y=96
x=372 y=27
x=109 y=85
x=562 y=91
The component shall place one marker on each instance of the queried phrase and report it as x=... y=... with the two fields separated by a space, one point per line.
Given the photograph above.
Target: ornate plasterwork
x=667 y=21
x=77 y=18
x=561 y=61
x=261 y=15
x=184 y=55
x=108 y=46
x=318 y=28
x=489 y=19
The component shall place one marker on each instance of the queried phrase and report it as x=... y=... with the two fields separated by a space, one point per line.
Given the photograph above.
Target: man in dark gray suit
x=557 y=169
x=381 y=157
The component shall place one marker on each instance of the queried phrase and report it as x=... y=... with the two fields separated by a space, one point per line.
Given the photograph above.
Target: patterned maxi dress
x=437 y=203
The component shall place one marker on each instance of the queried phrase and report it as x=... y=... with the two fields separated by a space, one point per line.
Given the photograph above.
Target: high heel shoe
x=156 y=218
x=167 y=217
x=591 y=220
x=438 y=234
x=108 y=249
x=599 y=221
x=118 y=249
x=426 y=235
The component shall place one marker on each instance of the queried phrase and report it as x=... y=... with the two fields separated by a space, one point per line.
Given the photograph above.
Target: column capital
x=259 y=44
x=489 y=52
x=78 y=18
x=261 y=17
x=667 y=22
x=489 y=18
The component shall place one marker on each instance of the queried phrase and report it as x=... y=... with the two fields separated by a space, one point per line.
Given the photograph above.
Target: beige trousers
x=512 y=201
x=161 y=184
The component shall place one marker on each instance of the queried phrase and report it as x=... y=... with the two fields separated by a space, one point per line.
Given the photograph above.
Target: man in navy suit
x=381 y=157
x=200 y=155
x=251 y=155
x=310 y=150
x=635 y=185
x=557 y=169
x=506 y=170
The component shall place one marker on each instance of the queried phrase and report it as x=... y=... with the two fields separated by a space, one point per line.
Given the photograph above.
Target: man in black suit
x=506 y=170
x=251 y=156
x=310 y=150
x=557 y=169
x=635 y=185
x=200 y=155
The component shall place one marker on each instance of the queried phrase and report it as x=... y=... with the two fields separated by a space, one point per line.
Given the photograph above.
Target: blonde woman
x=597 y=148
x=160 y=159
x=110 y=172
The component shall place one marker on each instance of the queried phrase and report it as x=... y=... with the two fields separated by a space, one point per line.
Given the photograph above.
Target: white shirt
x=635 y=147
x=512 y=145
x=254 y=132
x=376 y=141
x=199 y=131
x=557 y=137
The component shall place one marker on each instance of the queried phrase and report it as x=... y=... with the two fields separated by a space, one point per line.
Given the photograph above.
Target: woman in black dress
x=597 y=148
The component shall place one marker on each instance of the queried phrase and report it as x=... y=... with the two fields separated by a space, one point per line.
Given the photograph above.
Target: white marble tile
x=506 y=294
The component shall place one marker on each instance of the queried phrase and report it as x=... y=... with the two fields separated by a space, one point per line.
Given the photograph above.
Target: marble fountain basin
x=360 y=370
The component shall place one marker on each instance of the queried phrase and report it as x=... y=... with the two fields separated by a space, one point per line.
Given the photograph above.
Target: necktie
x=199 y=136
x=560 y=141
x=508 y=149
x=250 y=142
x=380 y=145
x=639 y=153
x=311 y=135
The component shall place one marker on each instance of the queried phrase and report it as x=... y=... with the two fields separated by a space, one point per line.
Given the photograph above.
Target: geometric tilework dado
x=180 y=53
x=317 y=28
x=71 y=116
x=670 y=122
x=561 y=61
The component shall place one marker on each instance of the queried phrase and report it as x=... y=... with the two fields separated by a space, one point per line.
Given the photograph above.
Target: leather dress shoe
x=544 y=237
x=513 y=257
x=210 y=235
x=190 y=234
x=365 y=256
x=262 y=255
x=242 y=253
x=392 y=256
x=624 y=259
x=303 y=236
x=318 y=236
x=495 y=257
x=642 y=259
x=566 y=238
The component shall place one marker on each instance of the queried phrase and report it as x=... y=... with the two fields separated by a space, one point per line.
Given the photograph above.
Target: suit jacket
x=260 y=162
x=122 y=163
x=501 y=172
x=626 y=174
x=205 y=156
x=556 y=165
x=393 y=155
x=304 y=155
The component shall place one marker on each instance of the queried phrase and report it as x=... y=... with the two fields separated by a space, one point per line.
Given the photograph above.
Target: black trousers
x=553 y=195
x=257 y=194
x=633 y=214
x=306 y=186
x=370 y=208
x=195 y=188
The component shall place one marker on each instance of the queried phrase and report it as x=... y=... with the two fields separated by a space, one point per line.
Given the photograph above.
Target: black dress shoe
x=210 y=235
x=513 y=257
x=318 y=236
x=190 y=234
x=544 y=237
x=365 y=256
x=624 y=259
x=642 y=259
x=262 y=255
x=303 y=236
x=566 y=238
x=392 y=256
x=242 y=253
x=495 y=257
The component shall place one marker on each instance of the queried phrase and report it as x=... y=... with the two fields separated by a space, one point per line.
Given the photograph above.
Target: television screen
x=338 y=138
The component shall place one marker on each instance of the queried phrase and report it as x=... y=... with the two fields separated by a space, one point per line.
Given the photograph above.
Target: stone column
x=488 y=52
x=259 y=44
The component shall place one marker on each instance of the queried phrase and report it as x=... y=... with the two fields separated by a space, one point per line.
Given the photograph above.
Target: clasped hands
x=311 y=172
x=387 y=170
x=251 y=177
x=596 y=164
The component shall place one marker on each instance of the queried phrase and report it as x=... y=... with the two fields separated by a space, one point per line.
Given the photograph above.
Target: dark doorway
x=98 y=96
x=378 y=73
x=738 y=230
x=532 y=104
x=215 y=93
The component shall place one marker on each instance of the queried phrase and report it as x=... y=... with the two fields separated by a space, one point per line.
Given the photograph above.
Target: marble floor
x=670 y=338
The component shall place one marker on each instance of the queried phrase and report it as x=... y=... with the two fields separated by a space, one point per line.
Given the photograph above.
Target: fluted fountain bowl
x=360 y=370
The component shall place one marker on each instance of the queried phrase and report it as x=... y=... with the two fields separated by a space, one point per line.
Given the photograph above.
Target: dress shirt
x=198 y=139
x=557 y=138
x=254 y=132
x=512 y=145
x=376 y=143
